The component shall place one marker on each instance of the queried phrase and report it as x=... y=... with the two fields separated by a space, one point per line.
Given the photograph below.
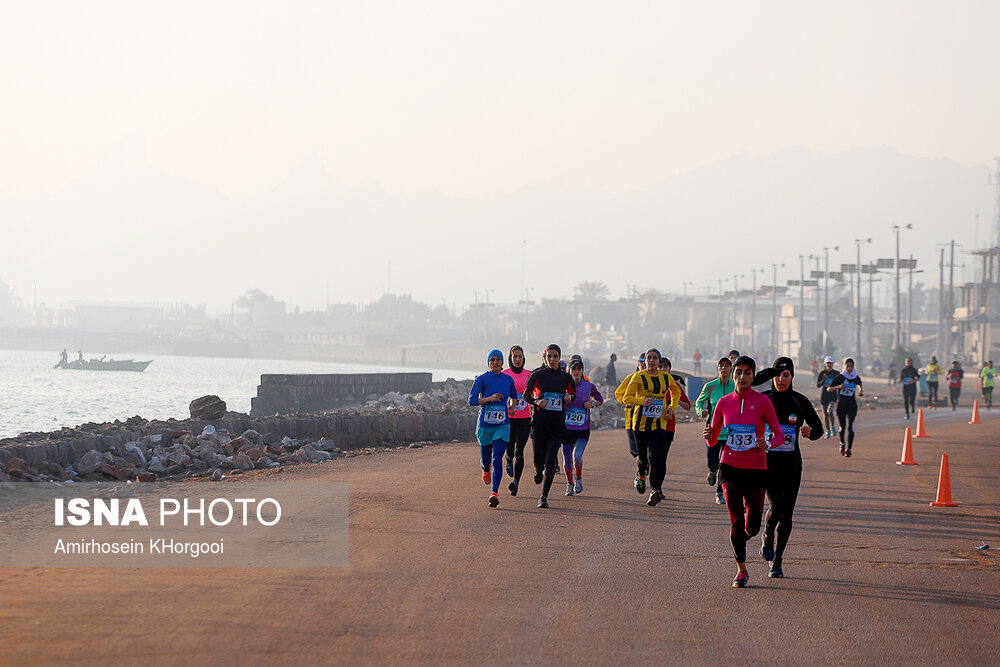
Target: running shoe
x=828 y=435
x=494 y=500
x=569 y=489
x=847 y=453
x=711 y=478
x=512 y=487
x=741 y=580
x=843 y=449
x=767 y=548
x=543 y=502
x=538 y=475
x=655 y=496
x=719 y=499
x=775 y=571
x=486 y=477
x=579 y=485
x=510 y=470
x=640 y=484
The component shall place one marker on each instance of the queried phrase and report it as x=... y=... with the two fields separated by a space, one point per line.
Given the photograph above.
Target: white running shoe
x=569 y=489
x=579 y=485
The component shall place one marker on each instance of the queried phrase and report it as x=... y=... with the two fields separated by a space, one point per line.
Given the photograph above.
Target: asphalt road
x=873 y=574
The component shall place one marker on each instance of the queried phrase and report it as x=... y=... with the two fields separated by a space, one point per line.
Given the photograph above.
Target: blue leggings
x=492 y=455
x=573 y=456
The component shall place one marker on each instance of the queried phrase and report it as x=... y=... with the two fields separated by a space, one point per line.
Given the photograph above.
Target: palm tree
x=590 y=291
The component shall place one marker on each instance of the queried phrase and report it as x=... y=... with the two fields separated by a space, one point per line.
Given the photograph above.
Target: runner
x=705 y=405
x=520 y=418
x=620 y=397
x=987 y=377
x=784 y=462
x=744 y=464
x=955 y=375
x=654 y=394
x=813 y=366
x=547 y=390
x=847 y=384
x=491 y=392
x=828 y=400
x=733 y=356
x=933 y=373
x=909 y=377
x=697 y=361
x=578 y=426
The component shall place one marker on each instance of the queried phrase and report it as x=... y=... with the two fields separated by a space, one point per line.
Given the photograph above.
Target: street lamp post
x=826 y=297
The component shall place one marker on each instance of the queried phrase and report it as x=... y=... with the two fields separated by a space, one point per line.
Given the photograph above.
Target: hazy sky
x=472 y=98
x=476 y=99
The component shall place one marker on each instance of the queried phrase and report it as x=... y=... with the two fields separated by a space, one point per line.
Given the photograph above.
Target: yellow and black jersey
x=620 y=397
x=665 y=393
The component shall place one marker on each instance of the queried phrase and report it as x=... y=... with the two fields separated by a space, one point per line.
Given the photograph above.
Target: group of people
x=909 y=378
x=752 y=439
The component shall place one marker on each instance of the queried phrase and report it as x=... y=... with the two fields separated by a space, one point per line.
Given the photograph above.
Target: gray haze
x=188 y=152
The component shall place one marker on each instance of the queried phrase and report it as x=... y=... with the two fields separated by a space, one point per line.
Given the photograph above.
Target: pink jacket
x=520 y=382
x=749 y=409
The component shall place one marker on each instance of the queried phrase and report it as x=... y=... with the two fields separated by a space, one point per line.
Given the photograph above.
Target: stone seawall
x=283 y=394
x=347 y=431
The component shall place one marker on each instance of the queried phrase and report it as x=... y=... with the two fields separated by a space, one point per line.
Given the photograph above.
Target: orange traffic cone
x=907 y=457
x=921 y=429
x=975 y=413
x=944 y=485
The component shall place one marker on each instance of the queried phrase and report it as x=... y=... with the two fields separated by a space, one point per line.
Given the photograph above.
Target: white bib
x=741 y=438
x=494 y=416
x=555 y=401
x=576 y=416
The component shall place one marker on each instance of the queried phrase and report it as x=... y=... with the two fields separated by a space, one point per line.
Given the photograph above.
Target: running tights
x=573 y=456
x=782 y=491
x=491 y=457
x=546 y=447
x=519 y=431
x=744 y=490
x=910 y=398
x=713 y=461
x=953 y=394
x=633 y=449
x=846 y=412
x=653 y=447
x=988 y=396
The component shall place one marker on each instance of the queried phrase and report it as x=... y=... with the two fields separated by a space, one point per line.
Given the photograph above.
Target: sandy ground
x=873 y=574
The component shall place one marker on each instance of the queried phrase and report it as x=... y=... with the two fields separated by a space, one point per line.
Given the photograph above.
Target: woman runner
x=987 y=378
x=654 y=395
x=744 y=413
x=705 y=405
x=908 y=378
x=491 y=392
x=578 y=426
x=828 y=400
x=520 y=418
x=847 y=384
x=547 y=391
x=784 y=462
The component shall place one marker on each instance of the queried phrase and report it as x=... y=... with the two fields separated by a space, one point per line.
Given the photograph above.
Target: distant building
x=108 y=316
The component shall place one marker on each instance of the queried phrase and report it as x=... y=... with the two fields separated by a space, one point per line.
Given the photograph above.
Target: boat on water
x=101 y=364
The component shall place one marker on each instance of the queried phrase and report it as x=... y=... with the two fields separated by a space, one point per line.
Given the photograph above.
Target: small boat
x=102 y=364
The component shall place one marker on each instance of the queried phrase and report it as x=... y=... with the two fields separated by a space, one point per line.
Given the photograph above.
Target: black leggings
x=519 y=431
x=846 y=412
x=714 y=452
x=633 y=448
x=988 y=396
x=546 y=446
x=932 y=395
x=653 y=448
x=953 y=394
x=744 y=491
x=910 y=398
x=782 y=492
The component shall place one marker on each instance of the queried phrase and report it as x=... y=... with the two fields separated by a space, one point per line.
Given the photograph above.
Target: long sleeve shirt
x=577 y=416
x=520 y=410
x=745 y=415
x=492 y=413
x=793 y=410
x=709 y=398
x=665 y=393
x=550 y=385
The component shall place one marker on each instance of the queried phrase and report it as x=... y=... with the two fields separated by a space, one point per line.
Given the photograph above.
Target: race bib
x=847 y=389
x=521 y=403
x=827 y=382
x=932 y=377
x=788 y=445
x=494 y=416
x=576 y=416
x=741 y=437
x=555 y=401
x=653 y=411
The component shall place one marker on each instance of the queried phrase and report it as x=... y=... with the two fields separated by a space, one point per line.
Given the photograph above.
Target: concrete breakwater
x=283 y=394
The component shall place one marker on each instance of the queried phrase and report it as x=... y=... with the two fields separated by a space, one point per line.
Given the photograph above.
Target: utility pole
x=940 y=326
x=753 y=312
x=774 y=341
x=802 y=302
x=950 y=313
